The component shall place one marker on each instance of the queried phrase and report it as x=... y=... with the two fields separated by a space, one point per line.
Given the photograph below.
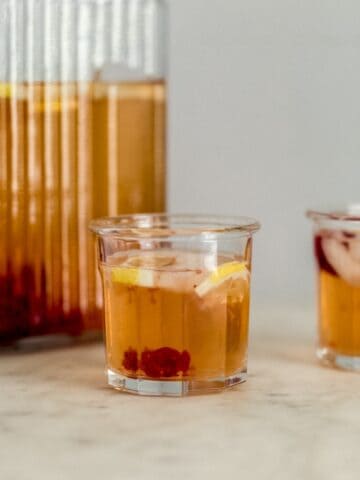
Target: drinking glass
x=176 y=293
x=337 y=253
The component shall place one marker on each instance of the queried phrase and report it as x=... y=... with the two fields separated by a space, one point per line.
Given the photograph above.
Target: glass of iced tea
x=337 y=252
x=176 y=294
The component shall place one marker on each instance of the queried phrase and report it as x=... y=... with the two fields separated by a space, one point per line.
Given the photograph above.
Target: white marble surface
x=291 y=420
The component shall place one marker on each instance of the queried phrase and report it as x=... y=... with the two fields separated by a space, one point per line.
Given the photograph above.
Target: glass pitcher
x=82 y=135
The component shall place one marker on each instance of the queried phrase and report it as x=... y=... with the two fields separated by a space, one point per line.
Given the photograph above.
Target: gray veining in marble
x=291 y=420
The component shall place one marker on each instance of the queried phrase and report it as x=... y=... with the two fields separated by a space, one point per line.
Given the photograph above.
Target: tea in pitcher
x=82 y=134
x=68 y=153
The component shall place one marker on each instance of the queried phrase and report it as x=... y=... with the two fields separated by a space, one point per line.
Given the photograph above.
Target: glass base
x=333 y=359
x=172 y=388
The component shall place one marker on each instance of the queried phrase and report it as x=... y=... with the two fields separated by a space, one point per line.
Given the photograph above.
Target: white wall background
x=265 y=121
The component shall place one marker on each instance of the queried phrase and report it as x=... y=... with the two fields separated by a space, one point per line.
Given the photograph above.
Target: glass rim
x=343 y=216
x=160 y=225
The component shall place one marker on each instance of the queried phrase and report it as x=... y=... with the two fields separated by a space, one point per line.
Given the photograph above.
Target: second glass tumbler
x=177 y=293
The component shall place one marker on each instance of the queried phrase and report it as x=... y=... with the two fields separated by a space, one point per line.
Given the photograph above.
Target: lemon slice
x=5 y=90
x=140 y=270
x=226 y=271
x=13 y=90
x=133 y=276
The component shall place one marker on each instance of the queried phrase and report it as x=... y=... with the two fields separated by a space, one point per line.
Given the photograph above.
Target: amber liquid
x=340 y=315
x=339 y=297
x=171 y=332
x=69 y=153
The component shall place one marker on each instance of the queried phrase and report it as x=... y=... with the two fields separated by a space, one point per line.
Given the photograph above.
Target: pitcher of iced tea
x=82 y=135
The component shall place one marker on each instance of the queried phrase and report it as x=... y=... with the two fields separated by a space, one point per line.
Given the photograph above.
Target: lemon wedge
x=5 y=90
x=133 y=276
x=141 y=270
x=226 y=271
x=11 y=90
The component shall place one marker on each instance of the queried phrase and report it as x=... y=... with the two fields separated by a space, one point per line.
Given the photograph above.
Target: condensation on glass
x=82 y=135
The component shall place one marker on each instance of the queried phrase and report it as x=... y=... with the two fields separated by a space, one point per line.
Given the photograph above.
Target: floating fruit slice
x=5 y=90
x=133 y=276
x=140 y=270
x=226 y=271
x=10 y=90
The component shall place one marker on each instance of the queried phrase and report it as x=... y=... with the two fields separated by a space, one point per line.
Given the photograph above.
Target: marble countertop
x=291 y=420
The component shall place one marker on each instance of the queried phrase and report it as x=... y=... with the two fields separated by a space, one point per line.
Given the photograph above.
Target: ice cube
x=177 y=270
x=184 y=274
x=180 y=281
